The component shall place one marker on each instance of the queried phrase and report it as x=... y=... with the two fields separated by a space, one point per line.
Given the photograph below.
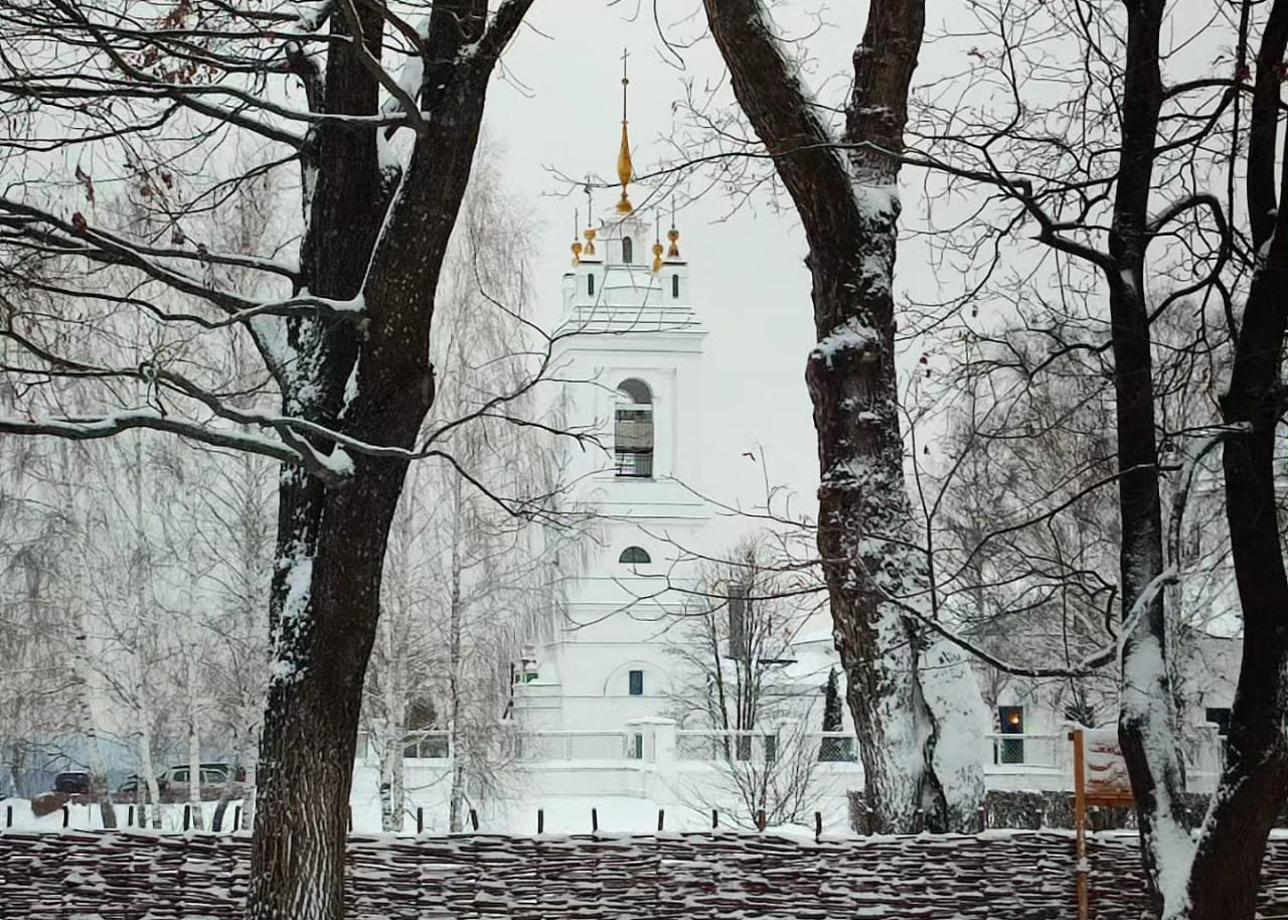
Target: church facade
x=630 y=345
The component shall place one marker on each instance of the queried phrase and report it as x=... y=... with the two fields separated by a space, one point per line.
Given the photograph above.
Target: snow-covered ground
x=559 y=815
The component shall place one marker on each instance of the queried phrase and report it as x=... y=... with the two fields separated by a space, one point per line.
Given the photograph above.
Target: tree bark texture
x=1226 y=873
x=847 y=198
x=382 y=237
x=1147 y=717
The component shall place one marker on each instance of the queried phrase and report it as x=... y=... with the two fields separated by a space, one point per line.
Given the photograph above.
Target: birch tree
x=730 y=679
x=331 y=87
x=918 y=714
x=471 y=582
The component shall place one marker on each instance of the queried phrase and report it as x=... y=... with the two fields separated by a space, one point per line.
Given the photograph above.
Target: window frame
x=634 y=551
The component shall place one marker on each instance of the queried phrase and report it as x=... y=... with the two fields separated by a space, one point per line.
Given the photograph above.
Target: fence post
x=143 y=815
x=715 y=819
x=187 y=816
x=594 y=820
x=237 y=818
x=818 y=825
x=8 y=816
x=350 y=819
x=541 y=821
x=661 y=818
x=474 y=819
x=67 y=816
x=420 y=819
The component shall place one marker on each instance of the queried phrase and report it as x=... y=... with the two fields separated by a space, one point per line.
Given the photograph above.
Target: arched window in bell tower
x=628 y=250
x=633 y=430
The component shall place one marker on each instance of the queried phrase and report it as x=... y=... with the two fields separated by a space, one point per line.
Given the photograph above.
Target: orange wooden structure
x=1099 y=778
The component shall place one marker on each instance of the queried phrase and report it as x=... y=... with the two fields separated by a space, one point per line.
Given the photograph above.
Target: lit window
x=633 y=430
x=636 y=683
x=628 y=250
x=1011 y=722
x=634 y=555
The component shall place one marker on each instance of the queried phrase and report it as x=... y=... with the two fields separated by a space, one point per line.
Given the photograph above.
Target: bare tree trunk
x=331 y=541
x=393 y=735
x=149 y=772
x=460 y=757
x=1226 y=872
x=1147 y=718
x=877 y=584
x=194 y=749
x=250 y=796
x=89 y=723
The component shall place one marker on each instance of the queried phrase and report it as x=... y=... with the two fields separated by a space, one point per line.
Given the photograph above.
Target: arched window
x=634 y=555
x=675 y=287
x=633 y=430
x=590 y=285
x=628 y=250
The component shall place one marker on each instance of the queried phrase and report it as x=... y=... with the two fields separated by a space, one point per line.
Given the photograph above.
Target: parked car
x=214 y=780
x=235 y=771
x=172 y=783
x=73 y=782
x=130 y=788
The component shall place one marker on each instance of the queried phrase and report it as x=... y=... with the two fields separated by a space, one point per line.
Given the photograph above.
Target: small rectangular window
x=590 y=285
x=675 y=287
x=637 y=683
x=1220 y=717
x=1011 y=721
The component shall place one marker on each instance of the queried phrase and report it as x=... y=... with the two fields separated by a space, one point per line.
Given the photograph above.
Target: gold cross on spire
x=625 y=169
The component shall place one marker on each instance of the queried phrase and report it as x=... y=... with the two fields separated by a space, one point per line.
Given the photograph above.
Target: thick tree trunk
x=1226 y=872
x=877 y=582
x=327 y=610
x=385 y=242
x=1147 y=718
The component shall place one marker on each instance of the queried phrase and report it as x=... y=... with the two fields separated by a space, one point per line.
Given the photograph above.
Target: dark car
x=73 y=782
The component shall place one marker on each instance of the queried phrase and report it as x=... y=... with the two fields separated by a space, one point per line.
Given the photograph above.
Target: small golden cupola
x=588 y=251
x=576 y=243
x=625 y=168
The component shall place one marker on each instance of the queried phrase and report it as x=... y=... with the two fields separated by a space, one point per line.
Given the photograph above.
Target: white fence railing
x=1040 y=751
x=579 y=745
x=759 y=746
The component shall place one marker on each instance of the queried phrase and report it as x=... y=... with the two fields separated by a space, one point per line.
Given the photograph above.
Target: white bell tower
x=630 y=343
